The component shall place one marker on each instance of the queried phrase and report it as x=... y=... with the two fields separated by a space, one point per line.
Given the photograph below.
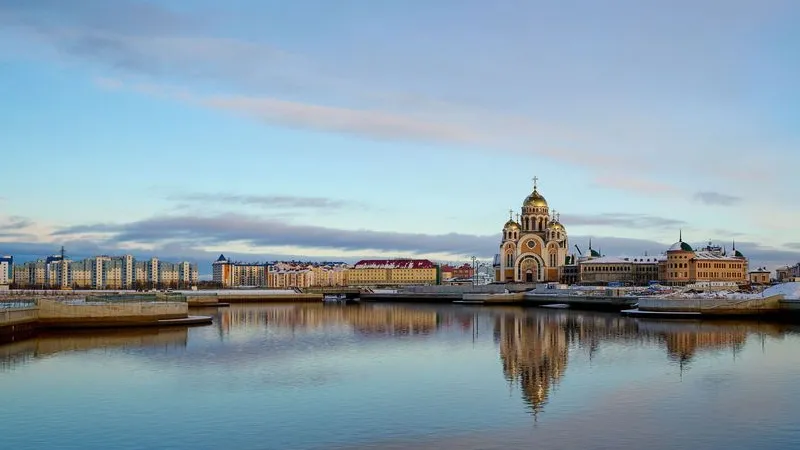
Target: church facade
x=534 y=247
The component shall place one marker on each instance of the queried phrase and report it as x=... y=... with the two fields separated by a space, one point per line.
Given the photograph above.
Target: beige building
x=291 y=278
x=788 y=273
x=759 y=276
x=628 y=270
x=683 y=265
x=534 y=247
x=393 y=272
x=237 y=274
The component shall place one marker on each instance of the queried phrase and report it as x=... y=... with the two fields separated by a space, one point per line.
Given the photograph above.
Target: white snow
x=790 y=291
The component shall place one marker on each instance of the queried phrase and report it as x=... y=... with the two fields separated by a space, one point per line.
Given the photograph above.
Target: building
x=393 y=272
x=290 y=278
x=6 y=270
x=237 y=274
x=446 y=271
x=533 y=247
x=464 y=271
x=627 y=270
x=788 y=273
x=103 y=272
x=683 y=265
x=759 y=276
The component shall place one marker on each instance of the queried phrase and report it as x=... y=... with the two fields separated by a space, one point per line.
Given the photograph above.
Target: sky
x=339 y=130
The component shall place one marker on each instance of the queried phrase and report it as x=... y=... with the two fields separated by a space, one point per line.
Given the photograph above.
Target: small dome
x=511 y=225
x=595 y=254
x=680 y=246
x=556 y=226
x=535 y=199
x=737 y=254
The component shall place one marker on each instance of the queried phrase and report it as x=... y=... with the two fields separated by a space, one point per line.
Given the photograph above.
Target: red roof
x=448 y=268
x=395 y=264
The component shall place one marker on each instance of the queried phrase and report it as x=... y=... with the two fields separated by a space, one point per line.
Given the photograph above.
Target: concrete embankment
x=709 y=307
x=593 y=302
x=226 y=297
x=53 y=314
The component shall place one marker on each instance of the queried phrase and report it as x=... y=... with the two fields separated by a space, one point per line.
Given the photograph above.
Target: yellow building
x=393 y=272
x=683 y=265
x=534 y=247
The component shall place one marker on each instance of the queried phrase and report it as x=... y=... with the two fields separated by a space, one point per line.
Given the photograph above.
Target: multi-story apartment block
x=237 y=274
x=6 y=269
x=104 y=272
x=291 y=278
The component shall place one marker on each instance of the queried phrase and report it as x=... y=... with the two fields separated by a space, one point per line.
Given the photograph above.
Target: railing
x=133 y=298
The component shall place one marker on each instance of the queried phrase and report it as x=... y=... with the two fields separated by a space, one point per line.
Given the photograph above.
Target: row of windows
x=719 y=275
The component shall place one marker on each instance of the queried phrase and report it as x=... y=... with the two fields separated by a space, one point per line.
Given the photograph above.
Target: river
x=399 y=377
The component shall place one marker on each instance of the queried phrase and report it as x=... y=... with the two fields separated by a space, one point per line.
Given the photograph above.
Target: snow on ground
x=790 y=291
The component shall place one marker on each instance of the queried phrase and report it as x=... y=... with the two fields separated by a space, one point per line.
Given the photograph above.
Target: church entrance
x=529 y=270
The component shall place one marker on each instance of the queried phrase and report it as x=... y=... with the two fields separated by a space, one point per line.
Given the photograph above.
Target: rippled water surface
x=387 y=376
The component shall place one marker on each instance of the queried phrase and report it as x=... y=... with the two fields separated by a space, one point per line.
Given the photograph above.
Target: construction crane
x=579 y=250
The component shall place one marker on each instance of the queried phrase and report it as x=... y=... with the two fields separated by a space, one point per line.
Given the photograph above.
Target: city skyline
x=303 y=131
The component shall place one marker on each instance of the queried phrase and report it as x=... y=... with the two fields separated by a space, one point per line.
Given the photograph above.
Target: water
x=398 y=377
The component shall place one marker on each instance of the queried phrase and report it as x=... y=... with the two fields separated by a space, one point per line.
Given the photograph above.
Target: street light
x=474 y=271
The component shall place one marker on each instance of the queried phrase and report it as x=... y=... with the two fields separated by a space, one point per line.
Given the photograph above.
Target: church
x=534 y=246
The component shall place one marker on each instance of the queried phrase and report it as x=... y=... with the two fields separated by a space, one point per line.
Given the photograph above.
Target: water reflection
x=318 y=376
x=368 y=320
x=534 y=346
x=50 y=343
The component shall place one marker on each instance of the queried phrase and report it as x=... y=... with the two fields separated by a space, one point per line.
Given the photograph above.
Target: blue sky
x=360 y=128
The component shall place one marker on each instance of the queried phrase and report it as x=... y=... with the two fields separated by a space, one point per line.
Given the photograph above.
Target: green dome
x=595 y=254
x=680 y=246
x=738 y=254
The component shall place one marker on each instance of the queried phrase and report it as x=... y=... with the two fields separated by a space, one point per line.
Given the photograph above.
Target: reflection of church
x=534 y=247
x=534 y=353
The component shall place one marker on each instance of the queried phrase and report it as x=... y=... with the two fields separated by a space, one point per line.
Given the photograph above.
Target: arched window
x=509 y=260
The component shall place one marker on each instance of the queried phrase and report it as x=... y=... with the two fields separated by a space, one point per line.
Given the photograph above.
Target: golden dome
x=556 y=226
x=511 y=225
x=535 y=199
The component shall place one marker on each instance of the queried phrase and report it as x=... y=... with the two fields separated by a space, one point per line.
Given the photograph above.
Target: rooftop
x=394 y=264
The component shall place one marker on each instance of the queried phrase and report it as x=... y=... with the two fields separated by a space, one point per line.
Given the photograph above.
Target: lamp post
x=474 y=271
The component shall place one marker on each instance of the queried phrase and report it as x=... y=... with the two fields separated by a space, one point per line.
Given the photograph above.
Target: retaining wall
x=55 y=313
x=711 y=305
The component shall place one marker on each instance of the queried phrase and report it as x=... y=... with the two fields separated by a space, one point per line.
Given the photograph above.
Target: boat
x=339 y=299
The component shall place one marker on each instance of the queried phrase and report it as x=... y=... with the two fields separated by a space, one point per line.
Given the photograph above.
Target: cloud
x=269 y=201
x=793 y=245
x=254 y=231
x=16 y=223
x=716 y=198
x=623 y=220
x=373 y=124
x=626 y=182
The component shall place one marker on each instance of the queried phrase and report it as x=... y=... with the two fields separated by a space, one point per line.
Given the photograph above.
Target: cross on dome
x=510 y=214
x=535 y=180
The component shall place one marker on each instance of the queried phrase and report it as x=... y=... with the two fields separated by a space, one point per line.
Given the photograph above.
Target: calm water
x=384 y=376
